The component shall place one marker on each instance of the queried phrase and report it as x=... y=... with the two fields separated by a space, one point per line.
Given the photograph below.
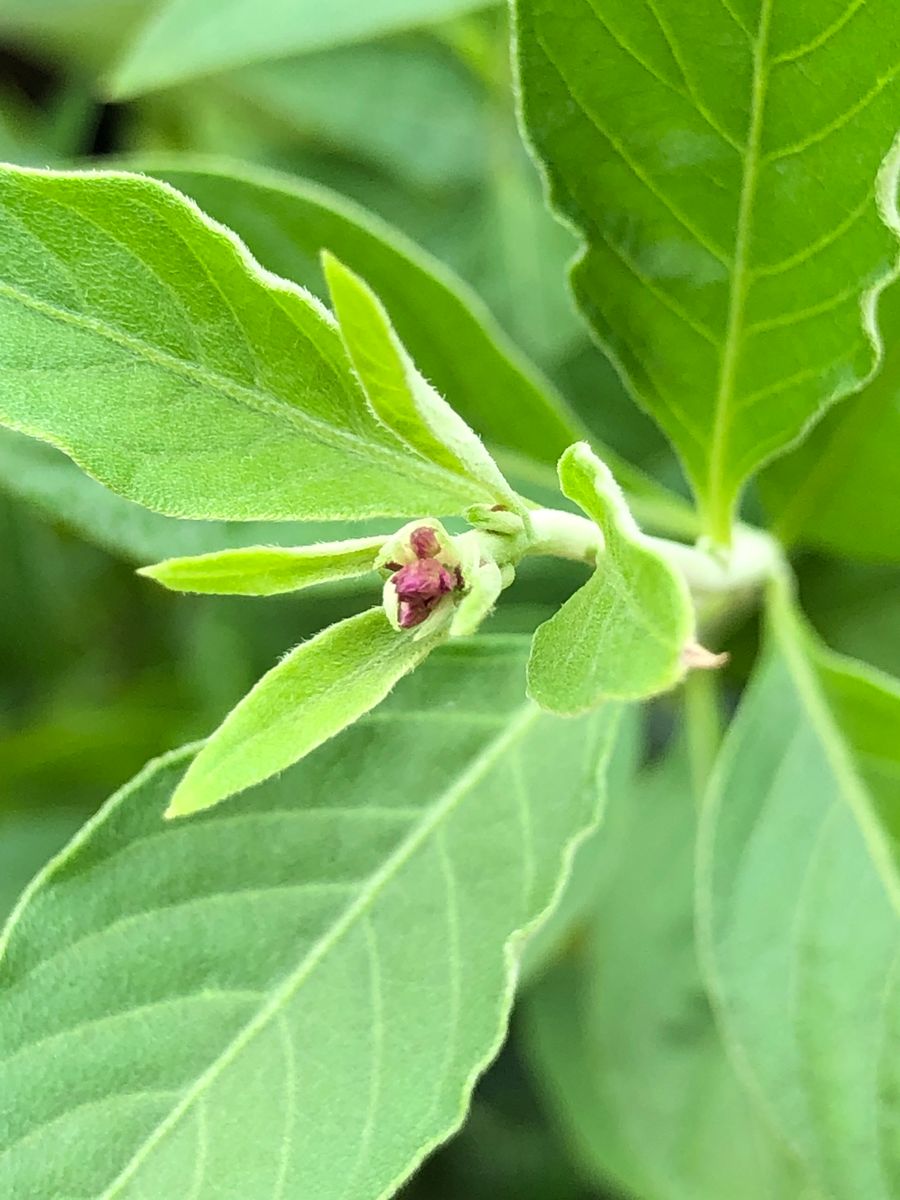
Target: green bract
x=267 y=570
x=734 y=290
x=624 y=633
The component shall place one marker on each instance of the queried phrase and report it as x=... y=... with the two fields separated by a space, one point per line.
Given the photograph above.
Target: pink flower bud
x=419 y=588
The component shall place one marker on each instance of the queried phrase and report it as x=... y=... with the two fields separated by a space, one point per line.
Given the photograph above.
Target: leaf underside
x=172 y=992
x=799 y=902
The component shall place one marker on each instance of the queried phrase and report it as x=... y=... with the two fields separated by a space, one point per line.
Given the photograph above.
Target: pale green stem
x=753 y=559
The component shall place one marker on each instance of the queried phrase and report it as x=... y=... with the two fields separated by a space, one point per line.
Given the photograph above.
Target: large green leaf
x=840 y=489
x=689 y=145
x=142 y=339
x=799 y=898
x=622 y=1037
x=452 y=337
x=184 y=39
x=624 y=633
x=294 y=992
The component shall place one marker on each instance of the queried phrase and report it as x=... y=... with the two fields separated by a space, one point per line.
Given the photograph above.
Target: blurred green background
x=100 y=670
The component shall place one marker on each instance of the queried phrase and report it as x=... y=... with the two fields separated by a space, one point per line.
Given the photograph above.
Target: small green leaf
x=267 y=570
x=316 y=691
x=623 y=634
x=184 y=39
x=401 y=398
x=688 y=143
x=141 y=338
x=799 y=905
x=621 y=1034
x=295 y=992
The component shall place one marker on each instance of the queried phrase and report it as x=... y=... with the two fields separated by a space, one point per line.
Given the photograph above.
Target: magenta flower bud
x=419 y=587
x=424 y=542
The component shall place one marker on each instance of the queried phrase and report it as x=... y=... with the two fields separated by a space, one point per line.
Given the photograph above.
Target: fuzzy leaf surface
x=141 y=338
x=453 y=338
x=623 y=633
x=297 y=990
x=400 y=396
x=799 y=901
x=315 y=691
x=688 y=145
x=266 y=570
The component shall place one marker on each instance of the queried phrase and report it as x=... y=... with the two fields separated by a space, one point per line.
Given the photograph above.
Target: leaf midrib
x=404 y=459
x=432 y=818
x=719 y=515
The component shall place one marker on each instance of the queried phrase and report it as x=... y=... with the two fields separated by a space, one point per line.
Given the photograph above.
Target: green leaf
x=798 y=900
x=184 y=39
x=42 y=476
x=623 y=634
x=455 y=342
x=396 y=390
x=297 y=990
x=426 y=121
x=267 y=570
x=316 y=691
x=840 y=489
x=621 y=1036
x=452 y=337
x=688 y=147
x=142 y=339
x=854 y=607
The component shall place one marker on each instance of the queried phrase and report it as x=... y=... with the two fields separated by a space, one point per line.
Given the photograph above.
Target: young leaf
x=184 y=39
x=296 y=991
x=401 y=398
x=267 y=570
x=621 y=1035
x=840 y=489
x=142 y=339
x=452 y=337
x=799 y=900
x=623 y=634
x=688 y=146
x=315 y=692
